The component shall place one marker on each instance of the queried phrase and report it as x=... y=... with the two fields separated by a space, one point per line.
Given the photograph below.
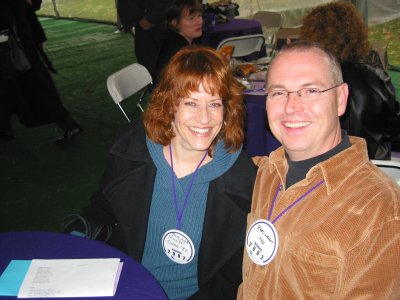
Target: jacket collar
x=331 y=169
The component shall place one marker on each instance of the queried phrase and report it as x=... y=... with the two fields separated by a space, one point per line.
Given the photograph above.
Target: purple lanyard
x=291 y=205
x=179 y=214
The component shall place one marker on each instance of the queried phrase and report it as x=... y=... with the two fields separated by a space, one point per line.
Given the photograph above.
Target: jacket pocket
x=309 y=271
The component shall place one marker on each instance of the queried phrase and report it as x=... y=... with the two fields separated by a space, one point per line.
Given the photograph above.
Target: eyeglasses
x=305 y=94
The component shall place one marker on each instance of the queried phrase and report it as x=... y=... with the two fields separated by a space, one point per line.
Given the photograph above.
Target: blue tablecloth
x=259 y=141
x=135 y=282
x=212 y=36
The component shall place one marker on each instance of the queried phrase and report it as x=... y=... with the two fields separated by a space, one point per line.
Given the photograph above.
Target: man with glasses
x=324 y=222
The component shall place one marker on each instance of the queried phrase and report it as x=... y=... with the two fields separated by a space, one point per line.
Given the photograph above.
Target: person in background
x=32 y=95
x=181 y=178
x=145 y=20
x=185 y=22
x=36 y=4
x=120 y=28
x=372 y=110
x=324 y=221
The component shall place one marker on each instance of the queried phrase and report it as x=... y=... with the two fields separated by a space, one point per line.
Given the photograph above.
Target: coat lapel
x=224 y=226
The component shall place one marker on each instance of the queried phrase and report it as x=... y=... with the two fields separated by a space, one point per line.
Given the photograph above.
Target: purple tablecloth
x=259 y=141
x=135 y=281
x=234 y=27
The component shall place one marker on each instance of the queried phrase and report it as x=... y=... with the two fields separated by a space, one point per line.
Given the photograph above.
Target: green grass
x=388 y=34
x=395 y=76
x=101 y=10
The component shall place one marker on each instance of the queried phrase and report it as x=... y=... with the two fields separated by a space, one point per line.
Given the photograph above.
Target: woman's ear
x=174 y=24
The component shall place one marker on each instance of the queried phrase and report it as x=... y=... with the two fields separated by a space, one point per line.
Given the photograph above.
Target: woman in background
x=178 y=187
x=372 y=110
x=32 y=95
x=185 y=26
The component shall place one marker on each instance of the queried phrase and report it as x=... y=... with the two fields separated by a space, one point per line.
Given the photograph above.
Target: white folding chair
x=126 y=82
x=270 y=21
x=269 y=18
x=244 y=45
x=390 y=167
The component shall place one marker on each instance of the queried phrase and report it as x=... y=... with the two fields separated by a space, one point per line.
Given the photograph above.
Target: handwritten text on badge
x=178 y=246
x=262 y=242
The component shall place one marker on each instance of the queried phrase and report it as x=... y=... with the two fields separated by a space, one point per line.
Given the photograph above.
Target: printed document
x=71 y=278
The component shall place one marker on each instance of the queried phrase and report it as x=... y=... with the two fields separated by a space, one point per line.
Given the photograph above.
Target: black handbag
x=13 y=61
x=76 y=224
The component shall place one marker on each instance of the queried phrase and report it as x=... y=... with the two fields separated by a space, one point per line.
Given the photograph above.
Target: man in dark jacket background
x=145 y=20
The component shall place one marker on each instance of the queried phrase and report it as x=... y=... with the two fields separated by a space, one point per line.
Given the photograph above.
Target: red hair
x=186 y=70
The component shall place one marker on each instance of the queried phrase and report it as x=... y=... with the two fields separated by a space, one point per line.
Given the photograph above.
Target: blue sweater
x=179 y=281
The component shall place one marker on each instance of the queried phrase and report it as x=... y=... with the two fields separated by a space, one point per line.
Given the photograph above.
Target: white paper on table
x=71 y=278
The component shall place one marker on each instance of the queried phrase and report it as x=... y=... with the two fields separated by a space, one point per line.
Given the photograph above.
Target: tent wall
x=376 y=11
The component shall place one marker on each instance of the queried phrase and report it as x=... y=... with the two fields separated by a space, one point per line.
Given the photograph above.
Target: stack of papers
x=41 y=278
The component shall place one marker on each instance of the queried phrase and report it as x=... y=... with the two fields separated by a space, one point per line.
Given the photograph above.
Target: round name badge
x=178 y=246
x=262 y=242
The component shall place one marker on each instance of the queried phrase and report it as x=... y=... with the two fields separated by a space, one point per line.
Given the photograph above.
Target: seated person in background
x=181 y=177
x=372 y=110
x=324 y=221
x=185 y=25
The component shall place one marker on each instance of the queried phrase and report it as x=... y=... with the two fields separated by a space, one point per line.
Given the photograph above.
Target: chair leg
x=140 y=100
x=124 y=113
x=140 y=106
x=142 y=95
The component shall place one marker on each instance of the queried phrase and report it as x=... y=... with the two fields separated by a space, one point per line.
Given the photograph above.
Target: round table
x=135 y=281
x=259 y=141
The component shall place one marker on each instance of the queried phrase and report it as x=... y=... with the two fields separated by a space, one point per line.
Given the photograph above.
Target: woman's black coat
x=125 y=197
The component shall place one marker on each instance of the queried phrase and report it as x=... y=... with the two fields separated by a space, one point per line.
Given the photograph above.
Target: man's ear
x=343 y=94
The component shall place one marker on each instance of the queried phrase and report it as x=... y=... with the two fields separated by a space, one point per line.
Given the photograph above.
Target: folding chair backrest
x=269 y=18
x=390 y=167
x=126 y=82
x=244 y=45
x=270 y=21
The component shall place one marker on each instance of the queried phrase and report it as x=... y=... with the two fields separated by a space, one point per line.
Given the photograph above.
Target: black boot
x=71 y=128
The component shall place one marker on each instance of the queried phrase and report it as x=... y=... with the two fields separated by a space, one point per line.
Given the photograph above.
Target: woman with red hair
x=178 y=187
